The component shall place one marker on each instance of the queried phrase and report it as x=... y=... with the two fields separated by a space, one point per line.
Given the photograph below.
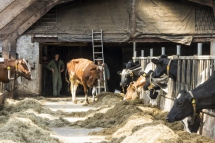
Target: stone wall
x=30 y=51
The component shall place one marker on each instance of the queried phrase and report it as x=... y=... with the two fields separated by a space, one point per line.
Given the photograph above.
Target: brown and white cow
x=134 y=89
x=17 y=68
x=82 y=71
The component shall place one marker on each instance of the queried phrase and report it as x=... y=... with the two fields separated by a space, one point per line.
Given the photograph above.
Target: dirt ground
x=108 y=120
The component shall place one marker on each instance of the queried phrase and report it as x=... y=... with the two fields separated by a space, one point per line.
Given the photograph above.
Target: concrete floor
x=69 y=134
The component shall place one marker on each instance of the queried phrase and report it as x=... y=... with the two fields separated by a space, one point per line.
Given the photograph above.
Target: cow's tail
x=66 y=76
x=68 y=83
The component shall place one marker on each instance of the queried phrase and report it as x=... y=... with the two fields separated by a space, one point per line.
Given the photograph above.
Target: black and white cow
x=201 y=97
x=165 y=66
x=128 y=75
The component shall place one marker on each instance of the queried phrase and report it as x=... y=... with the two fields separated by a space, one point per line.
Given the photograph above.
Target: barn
x=37 y=28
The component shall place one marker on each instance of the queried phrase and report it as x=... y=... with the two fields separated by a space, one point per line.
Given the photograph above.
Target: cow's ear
x=156 y=61
x=119 y=73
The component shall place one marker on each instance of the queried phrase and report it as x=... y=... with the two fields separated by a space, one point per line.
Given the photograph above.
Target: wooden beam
x=21 y=29
x=203 y=2
x=21 y=18
x=68 y=44
x=4 y=4
x=149 y=39
x=201 y=39
x=157 y=40
x=44 y=39
x=14 y=9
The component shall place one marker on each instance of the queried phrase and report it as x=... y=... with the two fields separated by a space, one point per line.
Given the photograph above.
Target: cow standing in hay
x=82 y=71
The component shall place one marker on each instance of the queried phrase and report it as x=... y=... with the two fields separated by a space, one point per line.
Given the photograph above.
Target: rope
x=168 y=67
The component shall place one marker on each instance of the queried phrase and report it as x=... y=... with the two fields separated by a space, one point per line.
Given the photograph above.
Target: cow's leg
x=86 y=92
x=94 y=93
x=73 y=88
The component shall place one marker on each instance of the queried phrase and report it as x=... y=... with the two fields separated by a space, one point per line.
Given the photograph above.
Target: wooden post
x=13 y=50
x=5 y=49
x=212 y=47
x=9 y=49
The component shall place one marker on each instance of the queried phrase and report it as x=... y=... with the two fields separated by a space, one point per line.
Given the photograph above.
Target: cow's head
x=126 y=77
x=94 y=75
x=135 y=88
x=24 y=69
x=132 y=92
x=161 y=66
x=182 y=107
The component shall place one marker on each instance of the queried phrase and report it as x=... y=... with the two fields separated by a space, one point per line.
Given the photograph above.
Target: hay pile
x=123 y=121
x=24 y=130
x=131 y=121
x=21 y=122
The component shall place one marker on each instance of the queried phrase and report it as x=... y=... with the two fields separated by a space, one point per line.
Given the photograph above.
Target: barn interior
x=115 y=55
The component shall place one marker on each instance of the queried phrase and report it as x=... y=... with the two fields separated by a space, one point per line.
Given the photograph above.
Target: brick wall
x=204 y=20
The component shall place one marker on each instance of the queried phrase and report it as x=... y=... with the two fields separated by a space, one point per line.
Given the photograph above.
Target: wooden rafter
x=19 y=24
x=204 y=2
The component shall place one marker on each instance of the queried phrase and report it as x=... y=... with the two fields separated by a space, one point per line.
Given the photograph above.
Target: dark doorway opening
x=112 y=57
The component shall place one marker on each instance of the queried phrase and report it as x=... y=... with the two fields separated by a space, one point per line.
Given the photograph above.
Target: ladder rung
x=100 y=87
x=97 y=39
x=97 y=32
x=98 y=52
x=97 y=45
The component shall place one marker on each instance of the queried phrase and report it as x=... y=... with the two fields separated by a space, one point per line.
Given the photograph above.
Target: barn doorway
x=112 y=55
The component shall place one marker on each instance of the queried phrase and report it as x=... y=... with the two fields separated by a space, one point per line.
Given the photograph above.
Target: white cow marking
x=179 y=95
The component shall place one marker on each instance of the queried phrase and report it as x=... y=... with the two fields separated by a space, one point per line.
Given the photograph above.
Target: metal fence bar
x=178 y=85
x=208 y=70
x=188 y=70
x=183 y=77
x=193 y=75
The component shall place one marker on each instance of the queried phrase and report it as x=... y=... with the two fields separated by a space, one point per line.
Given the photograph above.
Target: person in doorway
x=57 y=67
x=107 y=72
